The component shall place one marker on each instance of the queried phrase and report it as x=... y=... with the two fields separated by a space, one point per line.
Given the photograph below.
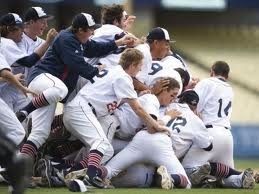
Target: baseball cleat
x=248 y=181
x=45 y=170
x=200 y=173
x=94 y=181
x=166 y=180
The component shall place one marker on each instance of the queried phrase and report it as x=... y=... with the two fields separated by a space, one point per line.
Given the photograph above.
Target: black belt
x=211 y=126
x=93 y=109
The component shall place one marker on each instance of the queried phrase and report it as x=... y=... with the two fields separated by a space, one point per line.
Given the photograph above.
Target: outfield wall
x=246 y=141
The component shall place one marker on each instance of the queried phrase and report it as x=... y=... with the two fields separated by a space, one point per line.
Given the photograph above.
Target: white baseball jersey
x=147 y=62
x=13 y=97
x=159 y=70
x=9 y=124
x=105 y=33
x=29 y=45
x=187 y=130
x=3 y=62
x=130 y=123
x=215 y=104
x=106 y=90
x=170 y=60
x=11 y=51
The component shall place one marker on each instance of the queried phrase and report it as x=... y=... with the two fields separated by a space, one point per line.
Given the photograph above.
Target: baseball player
x=18 y=59
x=188 y=129
x=89 y=105
x=215 y=107
x=113 y=22
x=11 y=135
x=57 y=73
x=152 y=148
x=9 y=123
x=190 y=133
x=35 y=24
x=156 y=48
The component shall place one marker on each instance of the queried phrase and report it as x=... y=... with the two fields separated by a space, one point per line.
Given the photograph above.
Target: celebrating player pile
x=128 y=118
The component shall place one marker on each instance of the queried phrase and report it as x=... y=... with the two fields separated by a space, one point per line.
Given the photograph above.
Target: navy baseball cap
x=11 y=19
x=159 y=34
x=36 y=13
x=190 y=97
x=84 y=20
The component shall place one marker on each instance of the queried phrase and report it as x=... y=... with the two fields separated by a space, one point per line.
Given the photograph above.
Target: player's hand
x=20 y=77
x=159 y=128
x=159 y=86
x=173 y=113
x=52 y=33
x=192 y=83
x=127 y=40
x=129 y=22
x=141 y=93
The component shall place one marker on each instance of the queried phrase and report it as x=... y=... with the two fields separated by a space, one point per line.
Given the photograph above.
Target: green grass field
x=240 y=164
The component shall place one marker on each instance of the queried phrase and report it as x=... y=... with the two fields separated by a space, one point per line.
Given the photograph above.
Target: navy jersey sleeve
x=98 y=49
x=72 y=56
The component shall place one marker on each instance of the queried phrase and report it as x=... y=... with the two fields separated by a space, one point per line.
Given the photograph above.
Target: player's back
x=176 y=63
x=215 y=104
x=106 y=90
x=130 y=122
x=159 y=70
x=187 y=130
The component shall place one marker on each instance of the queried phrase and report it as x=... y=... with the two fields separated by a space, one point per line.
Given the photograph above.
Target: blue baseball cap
x=11 y=19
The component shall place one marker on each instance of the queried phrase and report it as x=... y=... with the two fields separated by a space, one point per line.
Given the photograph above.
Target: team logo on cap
x=89 y=19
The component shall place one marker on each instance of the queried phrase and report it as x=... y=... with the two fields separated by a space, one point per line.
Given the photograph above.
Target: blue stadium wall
x=246 y=141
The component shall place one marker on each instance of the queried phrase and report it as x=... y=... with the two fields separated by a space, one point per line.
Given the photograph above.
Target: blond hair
x=130 y=56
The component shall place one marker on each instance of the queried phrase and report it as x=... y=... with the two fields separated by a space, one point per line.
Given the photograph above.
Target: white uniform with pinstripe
x=216 y=97
x=155 y=149
x=9 y=93
x=9 y=124
x=159 y=70
x=96 y=100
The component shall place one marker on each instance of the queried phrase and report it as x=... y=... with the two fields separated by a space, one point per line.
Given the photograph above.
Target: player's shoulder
x=218 y=81
x=144 y=48
x=107 y=29
x=5 y=42
x=151 y=98
x=66 y=35
x=117 y=73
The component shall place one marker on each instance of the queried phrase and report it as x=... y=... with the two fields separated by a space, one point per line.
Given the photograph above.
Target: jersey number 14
x=225 y=110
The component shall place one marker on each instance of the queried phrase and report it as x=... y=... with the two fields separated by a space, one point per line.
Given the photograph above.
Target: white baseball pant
x=54 y=91
x=9 y=124
x=222 y=151
x=155 y=149
x=82 y=123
